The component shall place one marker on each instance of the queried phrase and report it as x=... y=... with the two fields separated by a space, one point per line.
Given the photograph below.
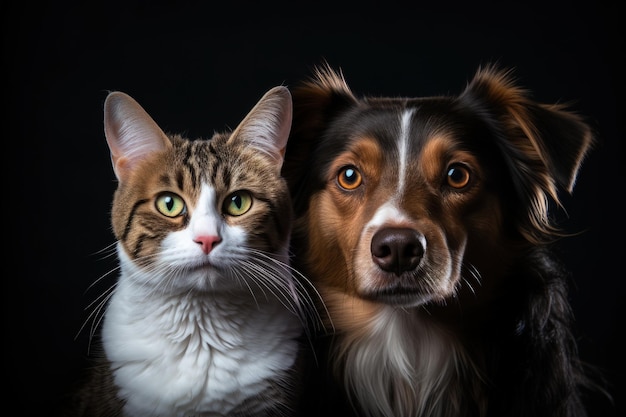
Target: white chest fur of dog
x=395 y=362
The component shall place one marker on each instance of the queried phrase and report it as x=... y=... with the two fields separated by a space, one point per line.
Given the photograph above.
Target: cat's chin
x=209 y=279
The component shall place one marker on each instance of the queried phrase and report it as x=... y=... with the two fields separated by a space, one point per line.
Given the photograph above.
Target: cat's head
x=200 y=214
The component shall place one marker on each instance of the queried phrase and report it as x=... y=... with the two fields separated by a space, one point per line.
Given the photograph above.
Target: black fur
x=517 y=326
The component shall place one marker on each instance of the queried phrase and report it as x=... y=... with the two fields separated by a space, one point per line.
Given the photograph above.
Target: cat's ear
x=268 y=124
x=130 y=132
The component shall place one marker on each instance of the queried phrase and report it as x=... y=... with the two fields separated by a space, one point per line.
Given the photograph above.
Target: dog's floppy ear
x=548 y=132
x=316 y=102
x=544 y=143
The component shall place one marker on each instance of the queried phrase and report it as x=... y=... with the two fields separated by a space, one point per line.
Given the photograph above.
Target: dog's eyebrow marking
x=403 y=148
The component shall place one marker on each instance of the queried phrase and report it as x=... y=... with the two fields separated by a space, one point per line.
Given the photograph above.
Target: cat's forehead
x=219 y=148
x=195 y=151
x=200 y=146
x=218 y=161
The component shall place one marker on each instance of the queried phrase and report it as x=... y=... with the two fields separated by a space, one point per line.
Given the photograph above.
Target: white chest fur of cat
x=205 y=318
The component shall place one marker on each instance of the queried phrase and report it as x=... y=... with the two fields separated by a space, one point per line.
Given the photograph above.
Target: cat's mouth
x=203 y=276
x=203 y=264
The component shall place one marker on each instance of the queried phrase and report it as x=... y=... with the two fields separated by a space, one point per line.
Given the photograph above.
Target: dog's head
x=400 y=199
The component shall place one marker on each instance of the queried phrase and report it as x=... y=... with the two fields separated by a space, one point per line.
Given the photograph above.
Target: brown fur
x=470 y=316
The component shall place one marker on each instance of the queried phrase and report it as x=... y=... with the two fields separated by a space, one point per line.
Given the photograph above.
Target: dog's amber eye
x=458 y=176
x=349 y=178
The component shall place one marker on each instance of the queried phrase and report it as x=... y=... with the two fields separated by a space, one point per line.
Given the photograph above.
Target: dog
x=427 y=225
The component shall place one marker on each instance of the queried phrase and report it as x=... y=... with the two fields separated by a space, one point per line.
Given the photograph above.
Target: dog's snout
x=397 y=249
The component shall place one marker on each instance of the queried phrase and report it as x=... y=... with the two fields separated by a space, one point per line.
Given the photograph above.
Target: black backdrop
x=198 y=68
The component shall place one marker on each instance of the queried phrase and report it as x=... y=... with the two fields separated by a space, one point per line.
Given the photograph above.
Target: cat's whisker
x=304 y=307
x=98 y=299
x=108 y=251
x=103 y=276
x=172 y=274
x=150 y=267
x=293 y=289
x=95 y=315
x=258 y=277
x=100 y=312
x=278 y=275
x=241 y=278
x=271 y=279
x=304 y=295
x=98 y=305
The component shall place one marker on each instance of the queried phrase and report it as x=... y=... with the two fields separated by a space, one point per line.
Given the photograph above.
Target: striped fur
x=206 y=317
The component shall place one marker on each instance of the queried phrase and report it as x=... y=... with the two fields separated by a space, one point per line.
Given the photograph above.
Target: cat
x=207 y=317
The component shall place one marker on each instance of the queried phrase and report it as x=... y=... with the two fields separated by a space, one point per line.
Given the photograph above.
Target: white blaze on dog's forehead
x=403 y=148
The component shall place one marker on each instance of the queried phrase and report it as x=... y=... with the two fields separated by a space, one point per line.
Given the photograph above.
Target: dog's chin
x=400 y=296
x=408 y=289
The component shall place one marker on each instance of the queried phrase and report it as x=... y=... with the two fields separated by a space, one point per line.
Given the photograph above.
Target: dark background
x=199 y=68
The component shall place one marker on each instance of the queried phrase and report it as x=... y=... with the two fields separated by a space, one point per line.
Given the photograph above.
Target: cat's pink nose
x=208 y=242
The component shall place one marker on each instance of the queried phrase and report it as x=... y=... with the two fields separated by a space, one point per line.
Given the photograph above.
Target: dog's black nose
x=397 y=249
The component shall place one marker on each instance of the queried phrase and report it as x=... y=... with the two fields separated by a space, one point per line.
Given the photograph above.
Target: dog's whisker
x=474 y=273
x=469 y=285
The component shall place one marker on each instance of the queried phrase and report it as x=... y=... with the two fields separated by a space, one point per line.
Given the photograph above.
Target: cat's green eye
x=238 y=203
x=170 y=205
